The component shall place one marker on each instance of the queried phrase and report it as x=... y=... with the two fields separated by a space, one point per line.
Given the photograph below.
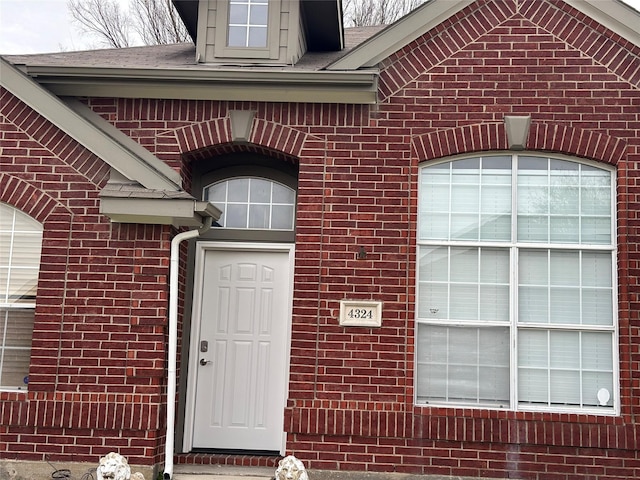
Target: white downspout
x=173 y=341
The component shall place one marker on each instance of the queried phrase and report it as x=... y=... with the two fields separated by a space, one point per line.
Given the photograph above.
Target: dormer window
x=248 y=23
x=248 y=30
x=261 y=32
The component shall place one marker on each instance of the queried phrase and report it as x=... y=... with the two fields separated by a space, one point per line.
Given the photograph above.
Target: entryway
x=238 y=367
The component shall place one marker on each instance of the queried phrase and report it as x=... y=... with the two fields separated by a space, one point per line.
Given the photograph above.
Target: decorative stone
x=517 y=128
x=290 y=468
x=114 y=466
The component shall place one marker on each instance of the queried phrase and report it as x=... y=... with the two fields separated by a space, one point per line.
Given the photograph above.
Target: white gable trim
x=617 y=16
x=399 y=34
x=613 y=14
x=91 y=131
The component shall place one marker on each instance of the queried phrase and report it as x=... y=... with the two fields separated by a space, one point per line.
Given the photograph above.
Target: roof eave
x=158 y=211
x=616 y=15
x=86 y=129
x=259 y=84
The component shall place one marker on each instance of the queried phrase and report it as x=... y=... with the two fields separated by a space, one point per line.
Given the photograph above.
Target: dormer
x=261 y=32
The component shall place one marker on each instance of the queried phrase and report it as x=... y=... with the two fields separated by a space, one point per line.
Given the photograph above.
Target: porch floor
x=221 y=472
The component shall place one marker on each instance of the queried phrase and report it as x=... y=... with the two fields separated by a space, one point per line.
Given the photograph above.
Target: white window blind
x=516 y=291
x=20 y=247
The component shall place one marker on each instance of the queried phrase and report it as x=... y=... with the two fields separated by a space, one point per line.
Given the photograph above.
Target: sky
x=40 y=26
x=44 y=26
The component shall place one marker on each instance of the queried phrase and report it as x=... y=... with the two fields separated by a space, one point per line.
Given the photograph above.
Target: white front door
x=244 y=311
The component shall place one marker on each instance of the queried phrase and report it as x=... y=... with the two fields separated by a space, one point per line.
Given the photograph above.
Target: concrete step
x=221 y=472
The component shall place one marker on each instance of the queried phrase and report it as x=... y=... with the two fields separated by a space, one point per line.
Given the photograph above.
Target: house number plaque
x=358 y=313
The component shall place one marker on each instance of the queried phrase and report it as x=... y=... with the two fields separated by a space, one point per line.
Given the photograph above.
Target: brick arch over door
x=267 y=134
x=542 y=137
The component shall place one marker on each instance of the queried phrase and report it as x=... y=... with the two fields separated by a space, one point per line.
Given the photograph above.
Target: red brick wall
x=350 y=404
x=447 y=93
x=98 y=352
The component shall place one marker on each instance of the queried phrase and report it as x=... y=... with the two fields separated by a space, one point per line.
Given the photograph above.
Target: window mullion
x=5 y=322
x=514 y=279
x=513 y=325
x=581 y=369
x=548 y=332
x=477 y=359
x=450 y=209
x=447 y=365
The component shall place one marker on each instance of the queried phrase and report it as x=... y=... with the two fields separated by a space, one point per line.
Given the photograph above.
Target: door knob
x=203 y=362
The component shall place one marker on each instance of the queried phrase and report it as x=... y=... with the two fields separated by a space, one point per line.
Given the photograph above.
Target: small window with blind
x=253 y=203
x=20 y=247
x=516 y=285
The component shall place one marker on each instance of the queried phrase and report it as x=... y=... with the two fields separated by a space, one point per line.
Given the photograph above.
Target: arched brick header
x=466 y=139
x=278 y=137
x=577 y=142
x=543 y=137
x=202 y=135
x=30 y=200
x=270 y=135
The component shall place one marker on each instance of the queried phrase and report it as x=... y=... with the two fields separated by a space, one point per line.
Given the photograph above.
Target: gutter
x=246 y=83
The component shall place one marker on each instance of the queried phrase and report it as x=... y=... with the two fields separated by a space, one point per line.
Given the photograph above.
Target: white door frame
x=194 y=354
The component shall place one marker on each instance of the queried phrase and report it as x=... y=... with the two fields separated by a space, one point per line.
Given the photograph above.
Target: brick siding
x=98 y=366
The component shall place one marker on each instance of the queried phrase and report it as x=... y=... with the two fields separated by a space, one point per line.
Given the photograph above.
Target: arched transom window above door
x=253 y=203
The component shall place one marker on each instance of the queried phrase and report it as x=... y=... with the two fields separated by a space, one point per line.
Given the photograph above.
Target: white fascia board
x=137 y=150
x=77 y=127
x=246 y=84
x=617 y=16
x=158 y=211
x=398 y=34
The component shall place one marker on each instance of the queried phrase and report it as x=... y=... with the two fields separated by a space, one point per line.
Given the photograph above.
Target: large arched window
x=516 y=285
x=253 y=203
x=20 y=247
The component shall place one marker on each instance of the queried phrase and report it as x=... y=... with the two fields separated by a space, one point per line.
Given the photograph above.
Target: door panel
x=241 y=379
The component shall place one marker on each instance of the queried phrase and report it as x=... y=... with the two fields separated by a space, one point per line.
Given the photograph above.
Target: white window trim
x=271 y=204
x=271 y=51
x=514 y=247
